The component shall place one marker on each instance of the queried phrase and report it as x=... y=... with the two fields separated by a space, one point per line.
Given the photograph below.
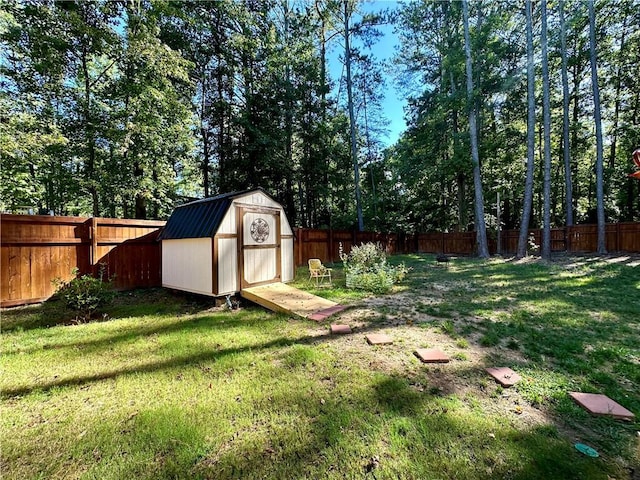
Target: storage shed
x=221 y=245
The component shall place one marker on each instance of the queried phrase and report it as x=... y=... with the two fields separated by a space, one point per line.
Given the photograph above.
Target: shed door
x=259 y=256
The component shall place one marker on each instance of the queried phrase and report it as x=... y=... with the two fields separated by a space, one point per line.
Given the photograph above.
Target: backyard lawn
x=167 y=385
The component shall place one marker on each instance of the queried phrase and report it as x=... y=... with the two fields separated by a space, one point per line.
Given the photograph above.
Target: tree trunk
x=352 y=121
x=288 y=118
x=462 y=208
x=575 y=117
x=204 y=133
x=531 y=125
x=566 y=153
x=481 y=230
x=546 y=120
x=90 y=137
x=618 y=80
x=598 y=121
x=141 y=201
x=221 y=112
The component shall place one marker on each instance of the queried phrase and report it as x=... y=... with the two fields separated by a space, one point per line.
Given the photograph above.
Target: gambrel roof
x=202 y=218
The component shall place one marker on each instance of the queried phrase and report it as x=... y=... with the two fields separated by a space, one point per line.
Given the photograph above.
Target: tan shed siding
x=227 y=266
x=257 y=199
x=187 y=264
x=287 y=260
x=259 y=265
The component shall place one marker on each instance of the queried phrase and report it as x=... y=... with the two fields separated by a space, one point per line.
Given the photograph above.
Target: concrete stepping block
x=431 y=355
x=337 y=329
x=379 y=339
x=599 y=404
x=504 y=376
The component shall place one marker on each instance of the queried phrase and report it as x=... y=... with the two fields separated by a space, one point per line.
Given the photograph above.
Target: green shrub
x=367 y=257
x=84 y=294
x=366 y=268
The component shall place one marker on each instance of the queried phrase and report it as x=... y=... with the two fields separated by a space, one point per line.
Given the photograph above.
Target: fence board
x=37 y=249
x=629 y=235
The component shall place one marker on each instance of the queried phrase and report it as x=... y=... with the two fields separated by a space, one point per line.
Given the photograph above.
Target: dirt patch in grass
x=464 y=376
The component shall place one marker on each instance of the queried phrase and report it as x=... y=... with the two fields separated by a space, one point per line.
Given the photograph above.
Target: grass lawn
x=170 y=386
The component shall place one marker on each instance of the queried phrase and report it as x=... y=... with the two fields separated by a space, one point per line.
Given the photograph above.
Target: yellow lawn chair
x=319 y=271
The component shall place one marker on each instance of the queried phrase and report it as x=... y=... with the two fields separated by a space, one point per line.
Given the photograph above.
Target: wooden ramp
x=283 y=298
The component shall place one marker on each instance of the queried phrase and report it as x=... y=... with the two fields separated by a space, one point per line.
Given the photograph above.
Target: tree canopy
x=126 y=109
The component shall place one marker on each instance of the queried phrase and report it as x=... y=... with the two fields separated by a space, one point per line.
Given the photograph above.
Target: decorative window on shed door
x=260 y=246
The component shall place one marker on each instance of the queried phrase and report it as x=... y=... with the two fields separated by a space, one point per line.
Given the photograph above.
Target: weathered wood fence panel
x=324 y=244
x=35 y=250
x=628 y=237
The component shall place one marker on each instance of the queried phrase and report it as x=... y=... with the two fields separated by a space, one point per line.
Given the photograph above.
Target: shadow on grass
x=390 y=431
x=386 y=429
x=175 y=361
x=53 y=312
x=221 y=321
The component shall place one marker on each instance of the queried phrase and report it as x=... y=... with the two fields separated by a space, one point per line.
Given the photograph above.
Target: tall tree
x=546 y=125
x=481 y=232
x=347 y=12
x=598 y=121
x=531 y=119
x=566 y=154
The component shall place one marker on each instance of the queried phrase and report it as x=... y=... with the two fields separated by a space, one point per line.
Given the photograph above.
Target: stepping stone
x=337 y=329
x=598 y=404
x=379 y=339
x=323 y=314
x=504 y=376
x=431 y=355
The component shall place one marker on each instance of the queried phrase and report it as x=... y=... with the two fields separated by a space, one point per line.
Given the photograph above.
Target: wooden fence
x=34 y=250
x=325 y=244
x=38 y=249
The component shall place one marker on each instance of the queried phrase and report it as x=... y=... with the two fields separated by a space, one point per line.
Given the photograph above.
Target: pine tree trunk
x=288 y=117
x=204 y=134
x=598 y=121
x=352 y=120
x=546 y=120
x=531 y=121
x=566 y=152
x=618 y=80
x=481 y=230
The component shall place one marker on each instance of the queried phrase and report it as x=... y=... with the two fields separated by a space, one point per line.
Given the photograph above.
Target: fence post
x=92 y=230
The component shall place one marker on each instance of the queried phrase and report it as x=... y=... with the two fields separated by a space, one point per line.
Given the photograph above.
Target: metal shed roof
x=201 y=218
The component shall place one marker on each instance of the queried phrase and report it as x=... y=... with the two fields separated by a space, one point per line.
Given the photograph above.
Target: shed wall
x=187 y=264
x=288 y=268
x=227 y=265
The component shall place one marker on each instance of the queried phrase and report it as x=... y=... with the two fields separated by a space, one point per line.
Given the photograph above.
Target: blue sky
x=394 y=101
